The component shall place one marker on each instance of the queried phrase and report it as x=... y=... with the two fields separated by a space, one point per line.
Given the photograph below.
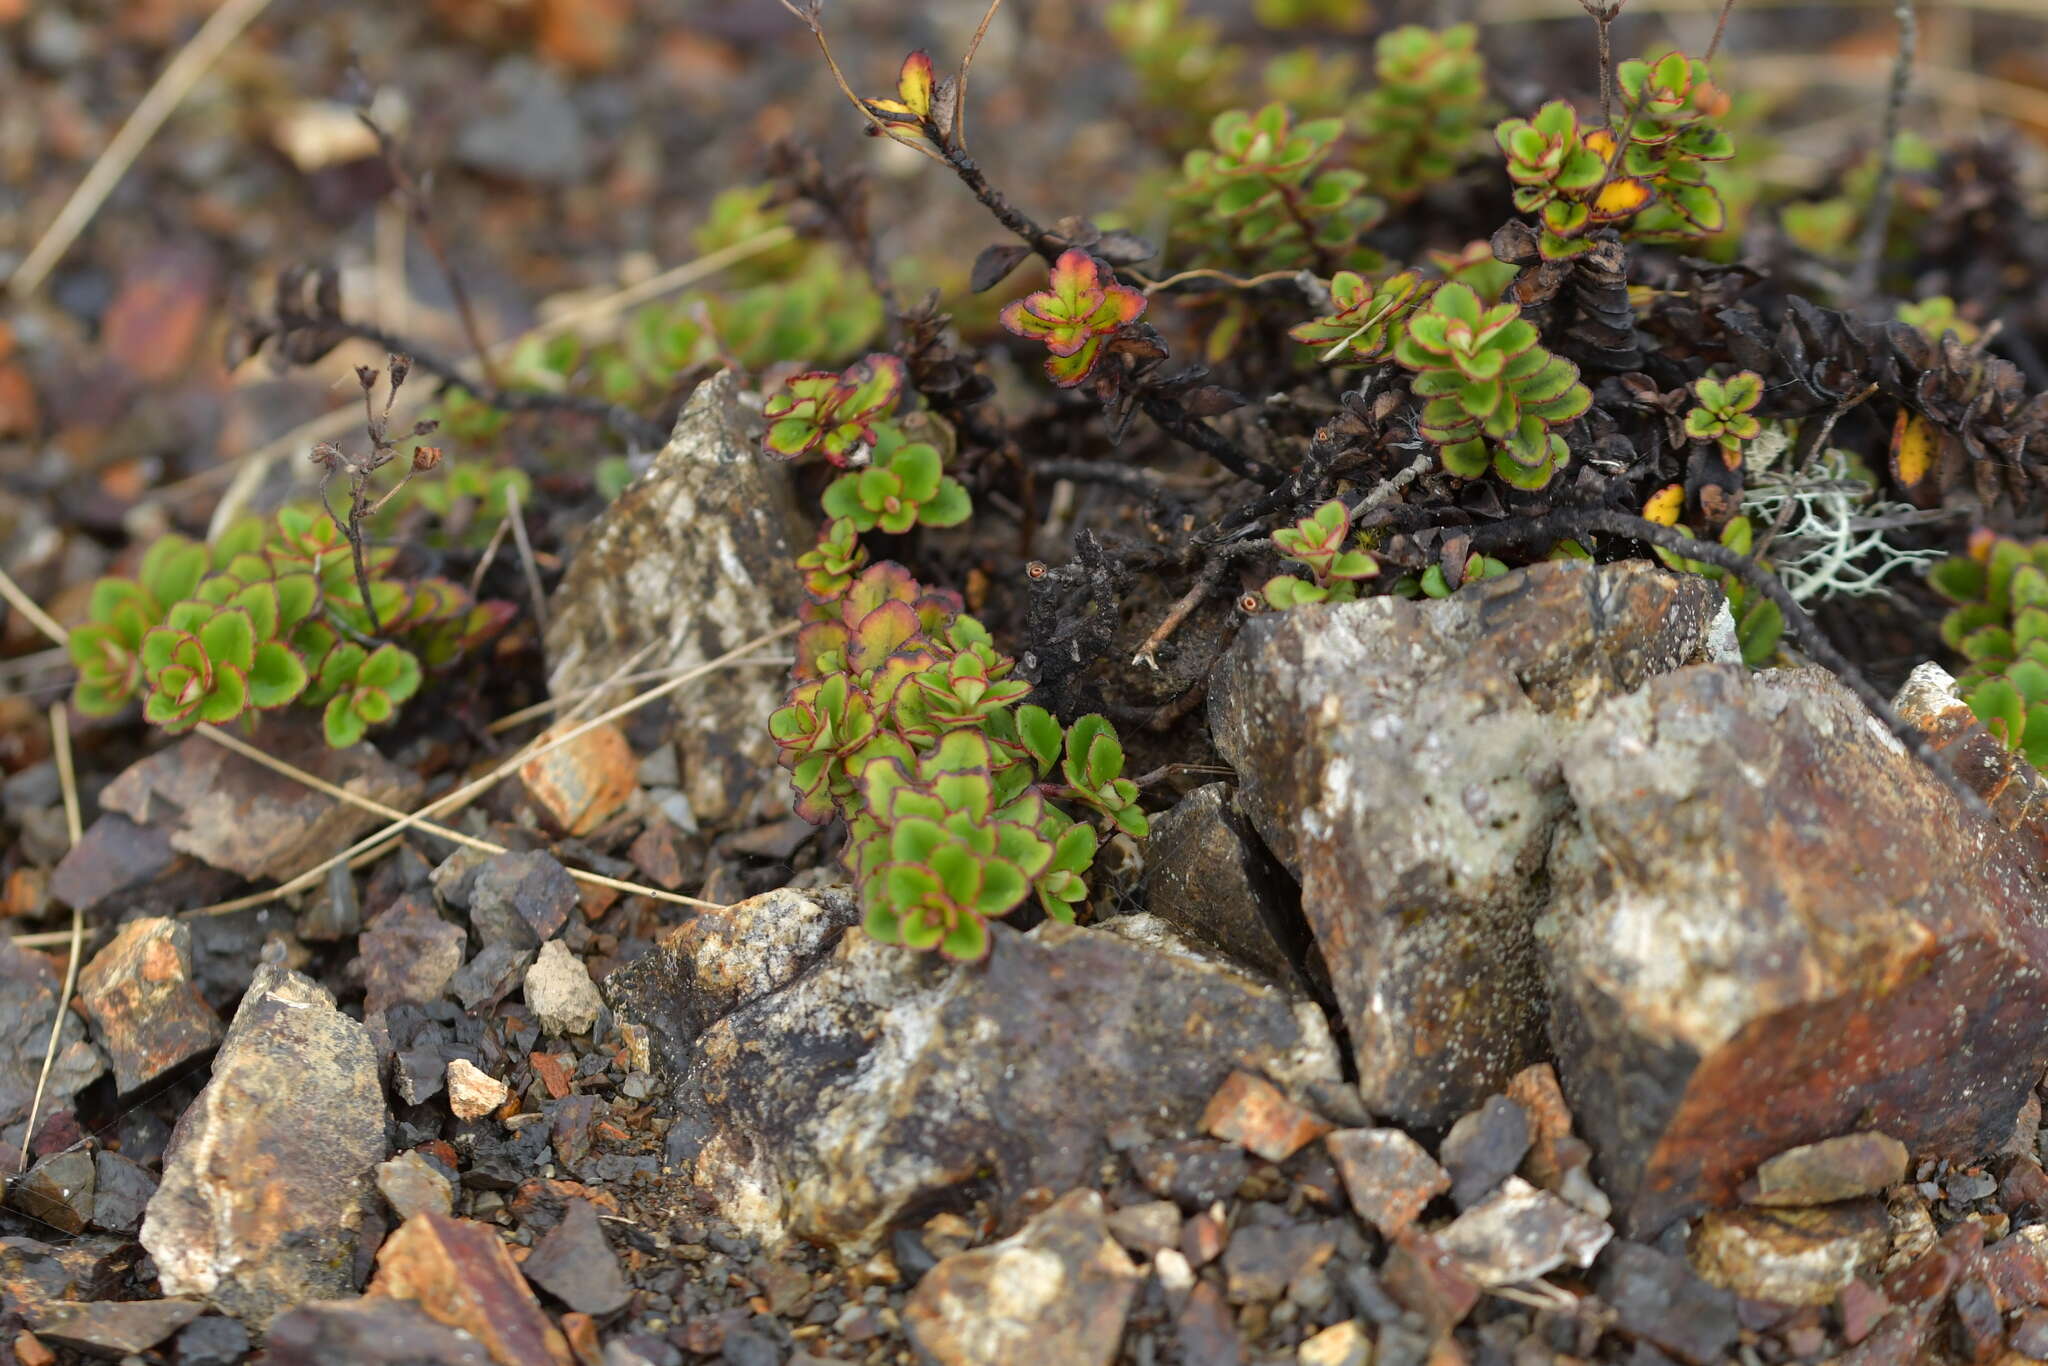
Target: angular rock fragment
x=1520 y=1233
x=236 y=814
x=1056 y=1291
x=1657 y=1297
x=373 y=1331
x=1790 y=1256
x=575 y=1264
x=145 y=1008
x=559 y=989
x=1770 y=925
x=1423 y=1277
x=408 y=954
x=1148 y=1227
x=1261 y=1261
x=268 y=1173
x=1402 y=760
x=1252 y=1111
x=112 y=1328
x=57 y=1191
x=121 y=1191
x=520 y=900
x=29 y=984
x=1209 y=876
x=579 y=782
x=490 y=976
x=718 y=961
x=412 y=1185
x=1388 y=1175
x=460 y=1274
x=1832 y=1169
x=1483 y=1149
x=876 y=1080
x=1341 y=1344
x=695 y=558
x=473 y=1092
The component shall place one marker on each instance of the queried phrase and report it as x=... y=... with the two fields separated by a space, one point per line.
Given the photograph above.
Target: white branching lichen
x=1835 y=538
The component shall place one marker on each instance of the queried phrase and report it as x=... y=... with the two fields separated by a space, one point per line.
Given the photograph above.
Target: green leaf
x=1040 y=734
x=967 y=941
x=228 y=698
x=279 y=675
x=343 y=726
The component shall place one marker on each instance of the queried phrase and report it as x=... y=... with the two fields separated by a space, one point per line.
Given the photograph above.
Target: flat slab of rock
x=236 y=814
x=1401 y=759
x=373 y=1331
x=268 y=1173
x=1832 y=1169
x=1057 y=1291
x=144 y=1005
x=694 y=558
x=876 y=1080
x=112 y=1328
x=1770 y=926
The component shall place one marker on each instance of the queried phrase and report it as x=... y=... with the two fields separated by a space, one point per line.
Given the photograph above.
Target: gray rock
x=560 y=992
x=575 y=1264
x=57 y=1191
x=268 y=1173
x=1771 y=925
x=875 y=1080
x=1401 y=759
x=412 y=1185
x=520 y=900
x=29 y=984
x=1657 y=1298
x=112 y=1328
x=121 y=1191
x=490 y=976
x=527 y=128
x=1057 y=1291
x=1519 y=1233
x=695 y=558
x=376 y=1330
x=1484 y=1148
x=1209 y=876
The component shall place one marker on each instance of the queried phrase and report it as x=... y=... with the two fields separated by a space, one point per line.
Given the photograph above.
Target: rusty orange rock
x=458 y=1271
x=581 y=783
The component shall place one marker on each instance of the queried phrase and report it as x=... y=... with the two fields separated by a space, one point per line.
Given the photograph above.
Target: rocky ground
x=1525 y=981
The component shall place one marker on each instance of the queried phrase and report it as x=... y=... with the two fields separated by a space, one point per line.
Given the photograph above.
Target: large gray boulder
x=835 y=1085
x=1402 y=760
x=695 y=558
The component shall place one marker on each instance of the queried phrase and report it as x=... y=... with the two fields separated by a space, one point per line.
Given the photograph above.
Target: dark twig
x=1201 y=436
x=1576 y=522
x=1604 y=13
x=1009 y=215
x=332 y=460
x=1877 y=224
x=415 y=199
x=1720 y=29
x=643 y=434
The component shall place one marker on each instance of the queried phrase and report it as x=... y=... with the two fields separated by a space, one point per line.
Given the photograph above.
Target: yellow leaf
x=1665 y=505
x=1621 y=198
x=914 y=83
x=1914 y=445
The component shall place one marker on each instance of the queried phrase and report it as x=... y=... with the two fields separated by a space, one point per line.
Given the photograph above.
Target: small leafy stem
x=383 y=450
